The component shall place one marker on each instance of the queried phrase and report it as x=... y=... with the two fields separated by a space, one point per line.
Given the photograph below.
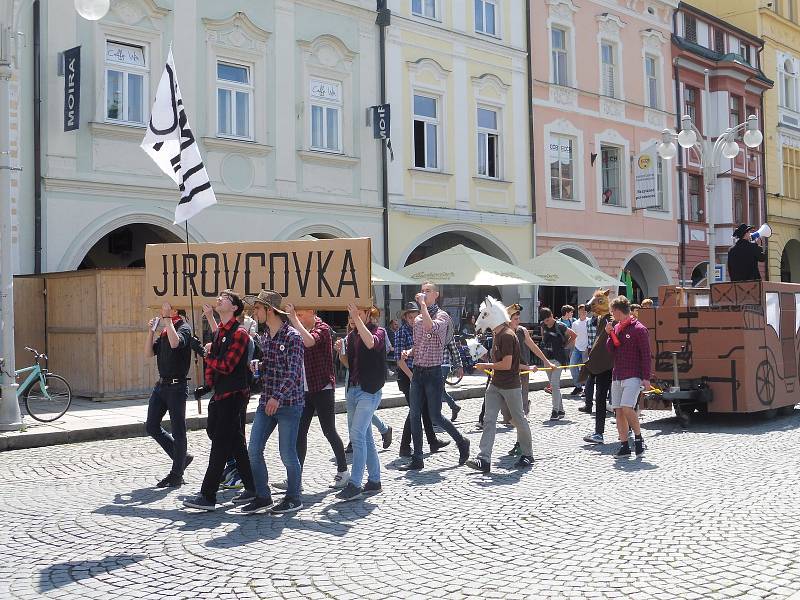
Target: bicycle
x=47 y=395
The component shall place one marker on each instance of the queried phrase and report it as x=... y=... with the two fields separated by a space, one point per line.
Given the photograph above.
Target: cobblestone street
x=708 y=513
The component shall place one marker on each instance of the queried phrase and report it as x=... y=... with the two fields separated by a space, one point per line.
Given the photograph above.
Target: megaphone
x=763 y=232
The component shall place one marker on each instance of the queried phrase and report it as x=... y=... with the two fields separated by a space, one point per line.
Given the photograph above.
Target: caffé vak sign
x=325 y=274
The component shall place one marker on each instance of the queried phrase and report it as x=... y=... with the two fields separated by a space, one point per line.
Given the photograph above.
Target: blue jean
x=376 y=420
x=172 y=399
x=287 y=420
x=445 y=396
x=577 y=357
x=361 y=406
x=427 y=386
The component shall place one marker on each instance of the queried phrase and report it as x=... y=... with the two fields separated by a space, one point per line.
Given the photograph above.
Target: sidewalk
x=89 y=420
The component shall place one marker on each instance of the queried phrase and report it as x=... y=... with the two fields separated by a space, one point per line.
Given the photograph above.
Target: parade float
x=730 y=348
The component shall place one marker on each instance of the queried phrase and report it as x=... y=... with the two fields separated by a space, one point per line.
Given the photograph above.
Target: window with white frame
x=608 y=54
x=651 y=69
x=611 y=170
x=562 y=167
x=788 y=91
x=326 y=113
x=424 y=8
x=234 y=100
x=488 y=143
x=126 y=73
x=486 y=16
x=560 y=56
x=426 y=132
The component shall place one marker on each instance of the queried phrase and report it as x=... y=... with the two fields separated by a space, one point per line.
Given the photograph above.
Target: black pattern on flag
x=170 y=143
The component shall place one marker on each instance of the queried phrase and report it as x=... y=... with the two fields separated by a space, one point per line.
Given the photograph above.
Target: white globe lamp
x=752 y=138
x=667 y=150
x=687 y=138
x=92 y=10
x=730 y=149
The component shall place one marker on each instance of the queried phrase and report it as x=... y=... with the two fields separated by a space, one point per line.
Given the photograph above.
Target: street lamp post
x=10 y=417
x=710 y=154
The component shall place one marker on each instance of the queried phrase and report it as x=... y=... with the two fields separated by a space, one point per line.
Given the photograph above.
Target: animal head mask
x=493 y=314
x=599 y=304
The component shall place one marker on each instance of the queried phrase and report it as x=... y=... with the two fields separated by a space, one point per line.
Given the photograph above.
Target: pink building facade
x=602 y=92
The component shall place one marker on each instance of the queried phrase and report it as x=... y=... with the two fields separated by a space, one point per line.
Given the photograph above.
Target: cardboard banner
x=324 y=274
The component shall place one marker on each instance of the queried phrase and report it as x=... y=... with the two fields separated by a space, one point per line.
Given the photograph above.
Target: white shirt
x=580 y=328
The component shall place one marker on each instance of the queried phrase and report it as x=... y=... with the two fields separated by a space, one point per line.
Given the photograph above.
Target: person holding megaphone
x=746 y=253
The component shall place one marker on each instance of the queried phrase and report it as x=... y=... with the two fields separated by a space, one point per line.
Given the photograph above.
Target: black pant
x=602 y=387
x=225 y=431
x=588 y=391
x=323 y=403
x=404 y=383
x=172 y=399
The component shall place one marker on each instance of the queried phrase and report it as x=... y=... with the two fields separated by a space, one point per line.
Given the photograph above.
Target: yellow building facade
x=778 y=23
x=457 y=86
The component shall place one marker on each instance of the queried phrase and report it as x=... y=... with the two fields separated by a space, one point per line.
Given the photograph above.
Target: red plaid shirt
x=224 y=365
x=318 y=359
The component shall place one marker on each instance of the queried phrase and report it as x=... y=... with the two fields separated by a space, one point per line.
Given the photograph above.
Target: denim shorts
x=625 y=393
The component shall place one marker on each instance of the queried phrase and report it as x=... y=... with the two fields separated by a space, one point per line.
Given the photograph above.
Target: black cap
x=410 y=307
x=739 y=232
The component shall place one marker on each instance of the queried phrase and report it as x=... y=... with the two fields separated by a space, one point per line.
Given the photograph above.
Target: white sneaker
x=341 y=480
x=284 y=485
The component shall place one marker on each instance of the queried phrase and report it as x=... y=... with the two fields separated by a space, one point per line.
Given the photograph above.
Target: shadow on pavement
x=61 y=574
x=141 y=496
x=632 y=465
x=737 y=424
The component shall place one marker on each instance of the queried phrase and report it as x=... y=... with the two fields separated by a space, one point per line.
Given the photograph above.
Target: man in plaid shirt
x=404 y=341
x=227 y=373
x=281 y=404
x=427 y=385
x=321 y=383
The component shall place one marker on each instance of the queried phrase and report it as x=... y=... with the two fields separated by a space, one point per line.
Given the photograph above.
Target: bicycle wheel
x=453 y=378
x=51 y=403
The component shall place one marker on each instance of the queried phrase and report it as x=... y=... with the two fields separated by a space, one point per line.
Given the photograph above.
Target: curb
x=131 y=430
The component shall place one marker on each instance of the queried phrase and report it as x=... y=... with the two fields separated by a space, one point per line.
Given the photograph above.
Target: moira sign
x=325 y=274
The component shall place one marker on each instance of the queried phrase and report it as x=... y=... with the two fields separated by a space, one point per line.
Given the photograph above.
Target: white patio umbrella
x=463 y=266
x=556 y=268
x=383 y=276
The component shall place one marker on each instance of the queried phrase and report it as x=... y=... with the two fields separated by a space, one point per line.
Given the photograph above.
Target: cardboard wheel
x=765 y=383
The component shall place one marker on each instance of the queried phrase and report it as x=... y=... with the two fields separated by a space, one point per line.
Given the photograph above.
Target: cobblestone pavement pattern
x=709 y=513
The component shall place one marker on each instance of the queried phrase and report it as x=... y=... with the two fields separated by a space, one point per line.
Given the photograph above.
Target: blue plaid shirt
x=404 y=340
x=282 y=367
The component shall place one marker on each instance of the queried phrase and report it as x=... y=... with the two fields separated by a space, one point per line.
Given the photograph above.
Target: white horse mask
x=493 y=314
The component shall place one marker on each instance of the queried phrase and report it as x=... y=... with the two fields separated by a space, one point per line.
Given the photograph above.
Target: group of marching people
x=288 y=353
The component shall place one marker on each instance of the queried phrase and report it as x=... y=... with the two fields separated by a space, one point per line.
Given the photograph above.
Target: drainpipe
x=383 y=21
x=37 y=140
x=531 y=147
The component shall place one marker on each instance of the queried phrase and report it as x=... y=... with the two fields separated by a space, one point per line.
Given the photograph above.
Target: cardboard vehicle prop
x=732 y=348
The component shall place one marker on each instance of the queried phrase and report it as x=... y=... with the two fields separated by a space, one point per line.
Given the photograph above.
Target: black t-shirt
x=174 y=363
x=743 y=261
x=553 y=340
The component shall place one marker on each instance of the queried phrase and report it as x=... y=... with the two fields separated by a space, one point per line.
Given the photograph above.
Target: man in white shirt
x=580 y=352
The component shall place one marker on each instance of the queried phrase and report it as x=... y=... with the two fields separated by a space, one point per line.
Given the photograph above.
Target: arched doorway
x=124 y=247
x=648 y=273
x=461 y=301
x=554 y=297
x=790 y=262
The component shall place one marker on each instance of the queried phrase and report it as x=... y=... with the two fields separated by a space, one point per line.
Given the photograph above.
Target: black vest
x=371 y=364
x=239 y=378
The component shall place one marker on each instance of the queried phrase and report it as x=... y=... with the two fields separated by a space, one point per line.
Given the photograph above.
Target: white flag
x=170 y=143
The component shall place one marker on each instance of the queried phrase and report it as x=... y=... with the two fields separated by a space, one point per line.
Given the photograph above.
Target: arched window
x=789 y=85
